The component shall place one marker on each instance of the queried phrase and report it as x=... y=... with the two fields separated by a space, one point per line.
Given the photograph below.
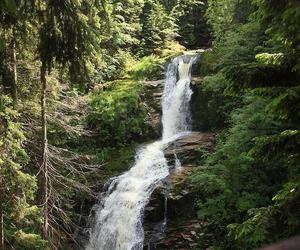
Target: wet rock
x=173 y=201
x=153 y=93
x=152 y=99
x=179 y=235
x=190 y=148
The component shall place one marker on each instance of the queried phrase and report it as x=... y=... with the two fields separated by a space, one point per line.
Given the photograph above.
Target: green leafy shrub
x=267 y=58
x=118 y=114
x=234 y=180
x=147 y=68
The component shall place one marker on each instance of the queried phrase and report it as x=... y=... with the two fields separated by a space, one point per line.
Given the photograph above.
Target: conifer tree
x=67 y=37
x=157 y=27
x=17 y=188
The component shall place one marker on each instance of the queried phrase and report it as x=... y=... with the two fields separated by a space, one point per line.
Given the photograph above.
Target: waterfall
x=118 y=220
x=176 y=97
x=177 y=163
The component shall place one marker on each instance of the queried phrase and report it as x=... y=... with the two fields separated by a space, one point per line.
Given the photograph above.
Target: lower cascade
x=118 y=219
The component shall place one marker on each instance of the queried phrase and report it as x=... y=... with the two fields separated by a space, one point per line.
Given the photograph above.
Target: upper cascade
x=177 y=94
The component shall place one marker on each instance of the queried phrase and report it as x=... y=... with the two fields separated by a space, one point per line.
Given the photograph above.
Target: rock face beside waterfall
x=173 y=201
x=152 y=98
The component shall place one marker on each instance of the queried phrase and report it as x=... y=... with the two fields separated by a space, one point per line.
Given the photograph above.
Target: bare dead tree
x=70 y=109
x=65 y=171
x=44 y=166
x=1 y=215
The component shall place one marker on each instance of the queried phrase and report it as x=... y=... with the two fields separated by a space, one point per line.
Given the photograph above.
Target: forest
x=77 y=105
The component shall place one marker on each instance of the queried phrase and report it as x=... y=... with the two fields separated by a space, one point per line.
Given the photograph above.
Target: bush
x=27 y=241
x=148 y=68
x=118 y=114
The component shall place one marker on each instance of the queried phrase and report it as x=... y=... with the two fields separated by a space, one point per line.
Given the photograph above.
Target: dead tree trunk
x=1 y=214
x=44 y=165
x=1 y=230
x=14 y=72
x=1 y=225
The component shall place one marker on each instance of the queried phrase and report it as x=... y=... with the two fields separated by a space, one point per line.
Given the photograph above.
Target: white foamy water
x=118 y=219
x=176 y=97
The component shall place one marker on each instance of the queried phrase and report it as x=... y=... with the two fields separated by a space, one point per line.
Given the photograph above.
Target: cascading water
x=118 y=222
x=176 y=97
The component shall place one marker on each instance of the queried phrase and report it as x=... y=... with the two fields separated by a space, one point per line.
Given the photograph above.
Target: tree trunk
x=14 y=72
x=1 y=230
x=1 y=215
x=44 y=166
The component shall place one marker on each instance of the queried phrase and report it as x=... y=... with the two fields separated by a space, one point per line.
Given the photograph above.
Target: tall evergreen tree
x=67 y=37
x=17 y=188
x=190 y=18
x=157 y=27
x=14 y=21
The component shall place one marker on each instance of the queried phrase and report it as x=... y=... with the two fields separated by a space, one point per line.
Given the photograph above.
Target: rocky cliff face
x=169 y=219
x=152 y=99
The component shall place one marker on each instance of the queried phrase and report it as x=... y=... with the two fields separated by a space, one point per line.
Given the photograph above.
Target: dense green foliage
x=17 y=187
x=118 y=114
x=249 y=185
x=193 y=30
x=148 y=68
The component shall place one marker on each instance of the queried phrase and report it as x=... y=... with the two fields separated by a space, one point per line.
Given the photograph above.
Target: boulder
x=169 y=218
x=189 y=148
